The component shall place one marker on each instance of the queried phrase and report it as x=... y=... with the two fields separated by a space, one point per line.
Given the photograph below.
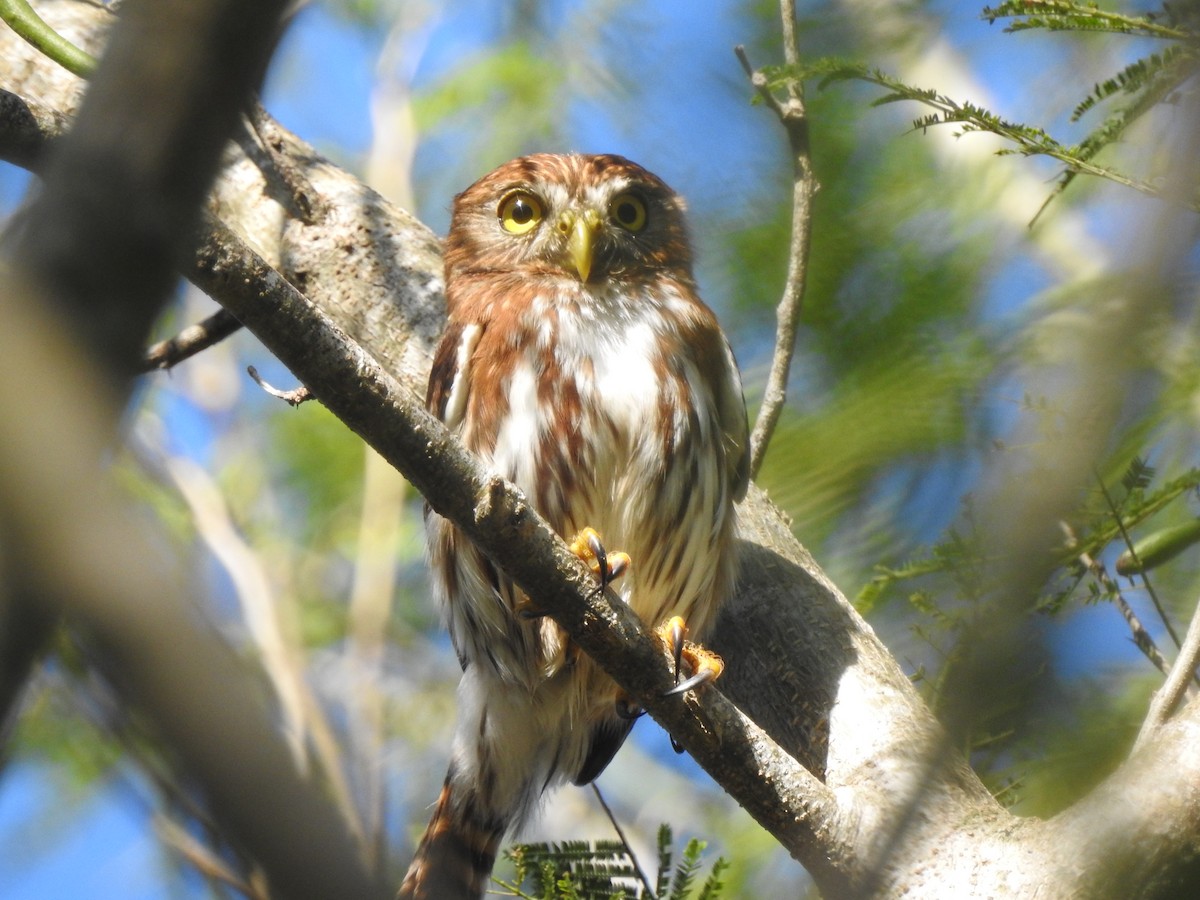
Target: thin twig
x=1159 y=608
x=1176 y=685
x=1141 y=637
x=190 y=341
x=792 y=116
x=202 y=858
x=624 y=841
x=294 y=397
x=304 y=721
x=374 y=585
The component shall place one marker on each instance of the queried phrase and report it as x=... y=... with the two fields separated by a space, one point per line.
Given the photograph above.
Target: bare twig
x=624 y=841
x=303 y=718
x=1158 y=607
x=190 y=341
x=1141 y=637
x=294 y=397
x=260 y=608
x=1176 y=685
x=202 y=858
x=374 y=586
x=792 y=116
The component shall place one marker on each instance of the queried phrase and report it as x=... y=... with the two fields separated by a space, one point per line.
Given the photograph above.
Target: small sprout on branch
x=294 y=397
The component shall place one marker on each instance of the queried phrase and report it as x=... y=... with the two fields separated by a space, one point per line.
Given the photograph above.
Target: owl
x=580 y=364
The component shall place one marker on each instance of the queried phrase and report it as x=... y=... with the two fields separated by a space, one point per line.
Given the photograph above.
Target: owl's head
x=590 y=218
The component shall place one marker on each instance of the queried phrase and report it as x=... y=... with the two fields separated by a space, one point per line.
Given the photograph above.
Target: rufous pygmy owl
x=579 y=363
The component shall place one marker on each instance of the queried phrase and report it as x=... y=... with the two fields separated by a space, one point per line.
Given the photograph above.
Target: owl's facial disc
x=580 y=228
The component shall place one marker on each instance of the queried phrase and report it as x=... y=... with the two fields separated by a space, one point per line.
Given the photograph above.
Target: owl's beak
x=581 y=228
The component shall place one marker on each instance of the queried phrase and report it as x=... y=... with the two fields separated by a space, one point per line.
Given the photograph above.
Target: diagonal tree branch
x=800 y=660
x=793 y=805
x=1179 y=678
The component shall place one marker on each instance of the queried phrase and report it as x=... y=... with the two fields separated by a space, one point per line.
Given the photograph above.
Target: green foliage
x=949 y=589
x=365 y=13
x=894 y=276
x=607 y=870
x=523 y=86
x=960 y=557
x=1147 y=83
x=1079 y=747
x=1102 y=526
x=1063 y=15
x=317 y=462
x=515 y=77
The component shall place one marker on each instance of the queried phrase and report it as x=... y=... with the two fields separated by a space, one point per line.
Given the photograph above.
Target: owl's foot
x=607 y=566
x=588 y=547
x=706 y=666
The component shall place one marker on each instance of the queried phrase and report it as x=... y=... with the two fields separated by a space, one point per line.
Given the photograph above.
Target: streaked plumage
x=580 y=364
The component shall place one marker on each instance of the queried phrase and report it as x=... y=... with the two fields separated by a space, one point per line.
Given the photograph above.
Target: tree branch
x=1178 y=680
x=1141 y=637
x=190 y=341
x=792 y=116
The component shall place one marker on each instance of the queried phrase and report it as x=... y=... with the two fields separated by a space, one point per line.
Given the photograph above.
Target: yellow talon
x=706 y=666
x=607 y=566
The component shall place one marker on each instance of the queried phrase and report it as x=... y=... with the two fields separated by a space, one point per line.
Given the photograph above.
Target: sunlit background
x=935 y=316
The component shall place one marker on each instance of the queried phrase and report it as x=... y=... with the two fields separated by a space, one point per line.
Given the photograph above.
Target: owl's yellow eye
x=520 y=212
x=628 y=211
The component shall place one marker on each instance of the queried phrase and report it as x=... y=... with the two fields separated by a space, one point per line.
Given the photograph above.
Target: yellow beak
x=581 y=239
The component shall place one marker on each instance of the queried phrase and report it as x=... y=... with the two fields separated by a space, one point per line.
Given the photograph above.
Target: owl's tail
x=455 y=857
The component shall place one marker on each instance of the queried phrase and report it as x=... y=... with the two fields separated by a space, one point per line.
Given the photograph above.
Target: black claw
x=676 y=649
x=597 y=549
x=702 y=677
x=675 y=745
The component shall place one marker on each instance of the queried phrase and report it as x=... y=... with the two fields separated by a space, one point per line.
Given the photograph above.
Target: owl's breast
x=619 y=380
x=584 y=401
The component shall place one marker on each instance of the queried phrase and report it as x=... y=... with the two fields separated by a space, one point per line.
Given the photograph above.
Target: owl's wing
x=606 y=739
x=731 y=413
x=450 y=376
